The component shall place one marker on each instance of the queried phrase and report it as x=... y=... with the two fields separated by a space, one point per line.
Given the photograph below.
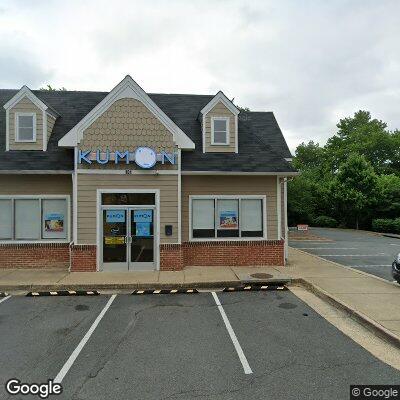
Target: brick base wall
x=232 y=253
x=34 y=255
x=173 y=257
x=83 y=258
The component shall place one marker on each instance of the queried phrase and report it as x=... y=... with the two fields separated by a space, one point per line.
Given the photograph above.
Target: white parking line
x=371 y=265
x=327 y=248
x=238 y=348
x=4 y=299
x=353 y=255
x=68 y=364
x=394 y=244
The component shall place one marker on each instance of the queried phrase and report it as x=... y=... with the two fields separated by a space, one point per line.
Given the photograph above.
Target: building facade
x=128 y=181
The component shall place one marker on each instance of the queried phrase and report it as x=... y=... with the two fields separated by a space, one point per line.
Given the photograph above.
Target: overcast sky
x=311 y=62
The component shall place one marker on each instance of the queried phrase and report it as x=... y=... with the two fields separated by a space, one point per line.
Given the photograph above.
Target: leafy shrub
x=325 y=221
x=386 y=225
x=396 y=225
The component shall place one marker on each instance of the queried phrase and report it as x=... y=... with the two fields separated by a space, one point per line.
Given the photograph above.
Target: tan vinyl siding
x=50 y=124
x=87 y=200
x=219 y=110
x=35 y=184
x=26 y=106
x=231 y=185
x=126 y=125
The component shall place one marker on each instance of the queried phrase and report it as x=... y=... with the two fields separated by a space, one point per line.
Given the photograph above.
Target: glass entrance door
x=115 y=235
x=128 y=239
x=141 y=239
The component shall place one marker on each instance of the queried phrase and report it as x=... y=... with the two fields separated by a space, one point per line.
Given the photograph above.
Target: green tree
x=354 y=190
x=365 y=136
x=388 y=205
x=49 y=88
x=309 y=156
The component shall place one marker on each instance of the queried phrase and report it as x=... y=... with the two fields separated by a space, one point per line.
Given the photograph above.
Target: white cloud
x=311 y=62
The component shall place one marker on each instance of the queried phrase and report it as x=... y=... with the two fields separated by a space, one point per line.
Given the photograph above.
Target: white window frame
x=40 y=198
x=226 y=119
x=23 y=114
x=228 y=197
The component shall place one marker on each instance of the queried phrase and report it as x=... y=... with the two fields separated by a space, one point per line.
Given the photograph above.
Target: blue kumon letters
x=144 y=157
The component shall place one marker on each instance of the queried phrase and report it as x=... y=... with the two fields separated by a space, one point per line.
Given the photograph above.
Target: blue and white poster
x=143 y=229
x=115 y=216
x=228 y=220
x=54 y=222
x=143 y=216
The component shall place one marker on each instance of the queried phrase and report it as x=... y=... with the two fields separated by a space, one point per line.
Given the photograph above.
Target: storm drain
x=261 y=275
x=65 y=293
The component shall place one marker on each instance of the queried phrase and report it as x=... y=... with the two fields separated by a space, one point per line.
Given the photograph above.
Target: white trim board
x=240 y=173
x=127 y=88
x=35 y=172
x=220 y=97
x=126 y=172
x=25 y=92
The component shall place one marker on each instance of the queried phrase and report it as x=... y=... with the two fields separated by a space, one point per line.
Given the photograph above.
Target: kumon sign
x=144 y=157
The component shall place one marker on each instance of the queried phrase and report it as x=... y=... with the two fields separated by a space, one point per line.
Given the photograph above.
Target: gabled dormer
x=219 y=122
x=29 y=122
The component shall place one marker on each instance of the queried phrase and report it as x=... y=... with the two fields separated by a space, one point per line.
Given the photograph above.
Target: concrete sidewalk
x=372 y=300
x=190 y=277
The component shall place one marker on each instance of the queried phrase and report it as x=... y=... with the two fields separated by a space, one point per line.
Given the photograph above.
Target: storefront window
x=203 y=218
x=6 y=219
x=33 y=218
x=27 y=219
x=236 y=217
x=251 y=218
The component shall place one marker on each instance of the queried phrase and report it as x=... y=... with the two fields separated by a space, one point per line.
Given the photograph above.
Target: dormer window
x=220 y=131
x=25 y=126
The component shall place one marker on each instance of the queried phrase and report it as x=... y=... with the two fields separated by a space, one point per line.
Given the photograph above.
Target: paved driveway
x=360 y=250
x=253 y=345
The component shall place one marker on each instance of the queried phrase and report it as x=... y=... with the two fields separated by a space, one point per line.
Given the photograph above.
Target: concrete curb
x=363 y=319
x=391 y=235
x=135 y=286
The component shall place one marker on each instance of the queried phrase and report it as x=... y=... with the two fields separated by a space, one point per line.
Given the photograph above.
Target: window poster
x=54 y=222
x=143 y=229
x=228 y=220
x=115 y=216
x=143 y=216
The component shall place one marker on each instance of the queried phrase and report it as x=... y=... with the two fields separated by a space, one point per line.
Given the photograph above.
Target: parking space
x=179 y=347
x=36 y=334
x=364 y=251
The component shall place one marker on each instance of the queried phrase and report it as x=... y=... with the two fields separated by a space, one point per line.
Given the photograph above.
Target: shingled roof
x=262 y=147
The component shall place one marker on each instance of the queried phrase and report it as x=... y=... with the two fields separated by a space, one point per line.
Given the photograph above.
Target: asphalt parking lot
x=360 y=250
x=255 y=345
